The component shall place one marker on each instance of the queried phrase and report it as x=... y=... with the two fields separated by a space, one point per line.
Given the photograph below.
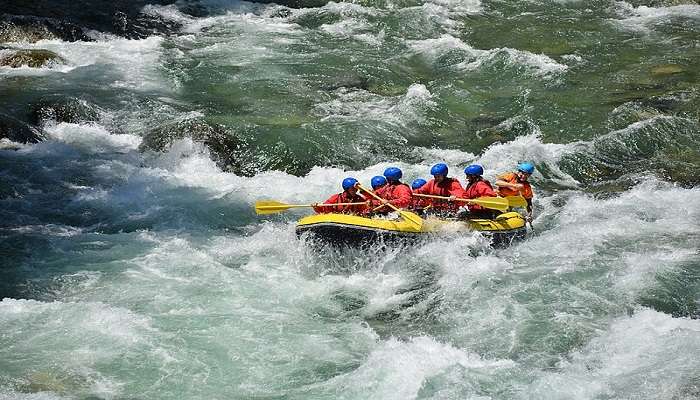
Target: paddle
x=494 y=203
x=516 y=201
x=408 y=216
x=272 y=207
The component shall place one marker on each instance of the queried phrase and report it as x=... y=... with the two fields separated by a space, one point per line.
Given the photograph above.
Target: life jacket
x=448 y=187
x=398 y=194
x=419 y=203
x=512 y=177
x=344 y=197
x=480 y=188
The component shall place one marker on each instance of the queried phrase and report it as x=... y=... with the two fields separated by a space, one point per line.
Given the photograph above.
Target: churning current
x=134 y=142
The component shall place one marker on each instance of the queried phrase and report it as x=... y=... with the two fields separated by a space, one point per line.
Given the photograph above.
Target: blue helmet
x=526 y=167
x=418 y=183
x=474 y=169
x=439 y=169
x=378 y=181
x=349 y=182
x=393 y=174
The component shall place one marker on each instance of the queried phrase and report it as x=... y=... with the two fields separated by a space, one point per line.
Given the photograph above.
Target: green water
x=133 y=266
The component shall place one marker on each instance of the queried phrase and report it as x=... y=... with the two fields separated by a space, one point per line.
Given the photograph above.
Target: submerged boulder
x=35 y=58
x=227 y=150
x=15 y=130
x=31 y=29
x=62 y=109
x=667 y=69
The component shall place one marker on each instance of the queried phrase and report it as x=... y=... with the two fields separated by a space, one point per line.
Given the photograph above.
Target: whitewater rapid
x=131 y=271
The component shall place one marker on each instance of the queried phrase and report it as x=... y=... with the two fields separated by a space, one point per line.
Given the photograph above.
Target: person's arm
x=514 y=186
x=324 y=210
x=506 y=181
x=422 y=190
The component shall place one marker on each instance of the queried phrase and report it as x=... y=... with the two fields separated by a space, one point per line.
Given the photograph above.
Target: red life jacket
x=480 y=188
x=419 y=203
x=344 y=197
x=397 y=193
x=448 y=187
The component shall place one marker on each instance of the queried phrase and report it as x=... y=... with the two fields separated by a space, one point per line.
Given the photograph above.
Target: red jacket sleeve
x=423 y=189
x=325 y=210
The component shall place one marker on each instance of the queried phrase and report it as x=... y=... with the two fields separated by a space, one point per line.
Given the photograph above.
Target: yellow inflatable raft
x=346 y=229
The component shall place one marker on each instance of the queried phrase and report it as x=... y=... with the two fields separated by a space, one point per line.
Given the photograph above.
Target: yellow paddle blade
x=414 y=219
x=494 y=203
x=271 y=207
x=516 y=201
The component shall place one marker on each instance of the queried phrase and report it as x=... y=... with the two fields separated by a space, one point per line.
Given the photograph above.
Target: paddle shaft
x=338 y=204
x=410 y=217
x=307 y=205
x=495 y=203
x=432 y=196
x=371 y=193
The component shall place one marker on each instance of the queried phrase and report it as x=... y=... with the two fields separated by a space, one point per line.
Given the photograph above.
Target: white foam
x=636 y=216
x=90 y=137
x=461 y=7
x=7 y=394
x=538 y=65
x=345 y=28
x=49 y=230
x=135 y=62
x=647 y=355
x=434 y=48
x=7 y=144
x=361 y=105
x=451 y=157
x=644 y=18
x=119 y=325
x=398 y=369
x=249 y=18
x=344 y=9
x=643 y=268
x=168 y=13
x=502 y=157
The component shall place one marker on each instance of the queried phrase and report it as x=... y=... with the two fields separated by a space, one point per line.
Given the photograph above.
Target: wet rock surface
x=226 y=149
x=73 y=20
x=16 y=130
x=23 y=28
x=61 y=109
x=70 y=20
x=35 y=58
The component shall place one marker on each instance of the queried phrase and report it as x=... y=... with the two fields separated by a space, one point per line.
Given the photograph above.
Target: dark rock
x=348 y=81
x=227 y=149
x=20 y=28
x=61 y=109
x=35 y=58
x=18 y=131
x=121 y=17
x=70 y=20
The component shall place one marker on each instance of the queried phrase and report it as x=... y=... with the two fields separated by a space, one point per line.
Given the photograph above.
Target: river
x=132 y=264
